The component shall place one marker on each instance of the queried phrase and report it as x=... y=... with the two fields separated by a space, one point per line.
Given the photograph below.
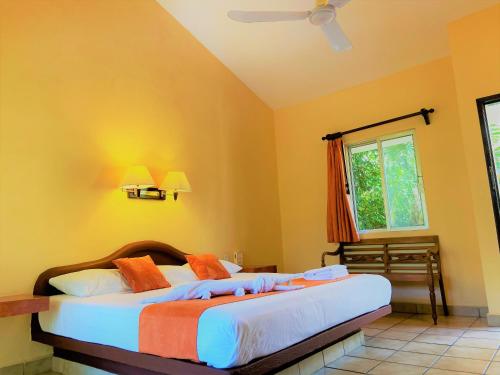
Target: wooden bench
x=398 y=259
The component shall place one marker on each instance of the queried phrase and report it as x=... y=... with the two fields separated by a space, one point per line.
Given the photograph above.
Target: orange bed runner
x=170 y=329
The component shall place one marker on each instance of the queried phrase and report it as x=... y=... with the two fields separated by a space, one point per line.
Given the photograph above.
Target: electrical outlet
x=238 y=257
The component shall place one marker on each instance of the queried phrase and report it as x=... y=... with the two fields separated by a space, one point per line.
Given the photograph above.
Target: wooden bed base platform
x=126 y=362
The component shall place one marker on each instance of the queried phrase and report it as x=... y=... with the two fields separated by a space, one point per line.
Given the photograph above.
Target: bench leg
x=430 y=284
x=432 y=295
x=443 y=296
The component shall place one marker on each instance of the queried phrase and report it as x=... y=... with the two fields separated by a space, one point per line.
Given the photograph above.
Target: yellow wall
x=475 y=49
x=90 y=87
x=302 y=170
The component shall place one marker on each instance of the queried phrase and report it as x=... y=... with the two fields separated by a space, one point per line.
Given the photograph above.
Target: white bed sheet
x=228 y=335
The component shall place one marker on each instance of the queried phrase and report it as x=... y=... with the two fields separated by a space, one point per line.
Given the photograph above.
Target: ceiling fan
x=323 y=14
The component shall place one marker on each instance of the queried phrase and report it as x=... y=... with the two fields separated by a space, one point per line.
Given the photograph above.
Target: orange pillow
x=141 y=273
x=207 y=266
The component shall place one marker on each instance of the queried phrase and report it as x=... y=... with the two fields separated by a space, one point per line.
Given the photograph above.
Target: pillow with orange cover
x=207 y=267
x=141 y=273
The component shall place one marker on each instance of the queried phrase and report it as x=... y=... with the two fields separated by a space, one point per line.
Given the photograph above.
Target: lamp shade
x=137 y=177
x=176 y=181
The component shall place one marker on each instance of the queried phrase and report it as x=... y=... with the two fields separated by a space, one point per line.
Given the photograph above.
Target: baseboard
x=51 y=364
x=315 y=362
x=493 y=320
x=423 y=308
x=65 y=367
x=35 y=367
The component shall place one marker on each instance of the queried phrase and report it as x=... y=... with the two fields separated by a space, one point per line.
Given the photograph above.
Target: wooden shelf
x=259 y=269
x=22 y=304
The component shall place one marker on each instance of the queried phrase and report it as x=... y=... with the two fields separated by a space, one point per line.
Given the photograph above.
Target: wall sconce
x=176 y=182
x=139 y=184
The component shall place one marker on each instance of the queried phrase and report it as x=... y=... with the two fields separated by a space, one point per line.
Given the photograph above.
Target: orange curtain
x=339 y=221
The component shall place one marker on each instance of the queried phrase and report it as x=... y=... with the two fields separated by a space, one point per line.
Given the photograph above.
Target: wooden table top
x=22 y=304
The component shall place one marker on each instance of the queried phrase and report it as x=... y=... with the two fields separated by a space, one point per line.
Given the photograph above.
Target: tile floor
x=409 y=344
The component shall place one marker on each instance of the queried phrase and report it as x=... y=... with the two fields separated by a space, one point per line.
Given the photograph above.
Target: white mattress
x=228 y=335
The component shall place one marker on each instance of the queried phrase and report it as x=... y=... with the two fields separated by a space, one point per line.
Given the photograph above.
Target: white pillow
x=91 y=282
x=178 y=274
x=230 y=267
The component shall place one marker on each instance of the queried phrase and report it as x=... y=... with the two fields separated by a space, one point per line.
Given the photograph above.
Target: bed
x=258 y=336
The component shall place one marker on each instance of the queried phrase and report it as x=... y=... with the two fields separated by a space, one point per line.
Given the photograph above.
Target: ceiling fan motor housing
x=322 y=15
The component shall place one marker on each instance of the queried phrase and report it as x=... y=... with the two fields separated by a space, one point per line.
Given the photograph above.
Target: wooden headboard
x=160 y=252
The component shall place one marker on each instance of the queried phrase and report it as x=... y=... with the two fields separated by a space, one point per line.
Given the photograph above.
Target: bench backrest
x=402 y=255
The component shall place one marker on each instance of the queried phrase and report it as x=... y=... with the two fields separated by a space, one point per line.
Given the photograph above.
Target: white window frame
x=420 y=183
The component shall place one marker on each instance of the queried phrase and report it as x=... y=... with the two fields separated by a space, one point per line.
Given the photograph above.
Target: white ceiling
x=288 y=62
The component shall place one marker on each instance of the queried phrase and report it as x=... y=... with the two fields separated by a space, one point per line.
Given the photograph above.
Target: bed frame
x=126 y=362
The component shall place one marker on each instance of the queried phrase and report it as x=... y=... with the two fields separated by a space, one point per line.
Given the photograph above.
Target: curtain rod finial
x=425 y=114
x=332 y=136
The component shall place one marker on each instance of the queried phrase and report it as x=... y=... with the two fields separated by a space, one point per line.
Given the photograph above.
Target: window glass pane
x=368 y=193
x=489 y=113
x=401 y=179
x=493 y=119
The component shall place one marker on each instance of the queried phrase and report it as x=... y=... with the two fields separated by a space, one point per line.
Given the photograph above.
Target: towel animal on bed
x=205 y=289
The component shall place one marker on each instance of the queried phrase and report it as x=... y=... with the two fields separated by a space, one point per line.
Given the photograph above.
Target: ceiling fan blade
x=258 y=16
x=338 y=3
x=338 y=40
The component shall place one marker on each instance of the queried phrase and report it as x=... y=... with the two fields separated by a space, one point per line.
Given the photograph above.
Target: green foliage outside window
x=386 y=187
x=369 y=198
x=403 y=193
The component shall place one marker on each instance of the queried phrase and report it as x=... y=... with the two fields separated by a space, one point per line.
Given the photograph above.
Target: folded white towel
x=326 y=273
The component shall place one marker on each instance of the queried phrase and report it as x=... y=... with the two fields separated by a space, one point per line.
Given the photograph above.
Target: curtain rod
x=423 y=112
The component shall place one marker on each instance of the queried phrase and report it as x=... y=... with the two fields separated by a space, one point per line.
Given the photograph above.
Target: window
x=386 y=184
x=489 y=116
